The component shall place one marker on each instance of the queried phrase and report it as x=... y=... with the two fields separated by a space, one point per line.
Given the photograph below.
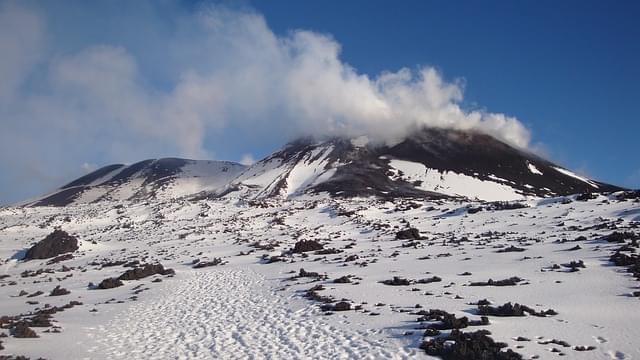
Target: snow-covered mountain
x=331 y=249
x=432 y=163
x=144 y=180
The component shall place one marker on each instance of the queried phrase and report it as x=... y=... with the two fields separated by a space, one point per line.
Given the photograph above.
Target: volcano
x=431 y=163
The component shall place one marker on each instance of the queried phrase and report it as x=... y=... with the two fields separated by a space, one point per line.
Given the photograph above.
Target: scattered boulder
x=429 y=280
x=306 y=245
x=468 y=346
x=506 y=205
x=203 y=264
x=110 y=283
x=56 y=243
x=138 y=273
x=308 y=274
x=509 y=309
x=511 y=249
x=342 y=306
x=339 y=306
x=503 y=310
x=22 y=330
x=584 y=348
x=512 y=281
x=397 y=281
x=408 y=234
x=620 y=237
x=59 y=291
x=575 y=265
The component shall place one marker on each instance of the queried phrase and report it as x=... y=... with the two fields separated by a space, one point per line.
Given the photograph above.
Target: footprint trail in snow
x=232 y=313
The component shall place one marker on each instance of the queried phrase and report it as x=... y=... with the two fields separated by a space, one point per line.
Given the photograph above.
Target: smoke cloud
x=178 y=86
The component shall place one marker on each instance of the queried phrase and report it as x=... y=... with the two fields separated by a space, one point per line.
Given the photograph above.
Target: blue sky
x=568 y=69
x=92 y=83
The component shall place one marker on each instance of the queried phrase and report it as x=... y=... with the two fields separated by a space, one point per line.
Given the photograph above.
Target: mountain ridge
x=431 y=163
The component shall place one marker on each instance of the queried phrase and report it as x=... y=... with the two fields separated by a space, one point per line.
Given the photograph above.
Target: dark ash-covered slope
x=442 y=158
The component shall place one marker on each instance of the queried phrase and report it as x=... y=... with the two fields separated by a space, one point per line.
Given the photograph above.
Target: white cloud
x=219 y=68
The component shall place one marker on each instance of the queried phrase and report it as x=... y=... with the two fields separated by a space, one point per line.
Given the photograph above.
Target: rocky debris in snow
x=460 y=345
x=575 y=265
x=145 y=271
x=339 y=306
x=397 y=281
x=56 y=243
x=586 y=196
x=442 y=320
x=110 y=283
x=22 y=330
x=59 y=291
x=584 y=348
x=342 y=280
x=408 y=234
x=203 y=264
x=511 y=249
x=330 y=251
x=505 y=205
x=308 y=274
x=620 y=237
x=629 y=195
x=429 y=280
x=266 y=259
x=303 y=246
x=37 y=293
x=512 y=281
x=313 y=294
x=509 y=309
x=554 y=341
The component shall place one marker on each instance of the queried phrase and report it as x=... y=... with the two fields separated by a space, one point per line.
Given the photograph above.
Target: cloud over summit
x=184 y=84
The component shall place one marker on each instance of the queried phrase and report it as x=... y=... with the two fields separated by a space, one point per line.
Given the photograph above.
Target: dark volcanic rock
x=503 y=310
x=429 y=280
x=59 y=291
x=512 y=281
x=342 y=280
x=342 y=306
x=110 y=283
x=511 y=249
x=407 y=234
x=339 y=306
x=56 y=243
x=306 y=245
x=397 y=281
x=203 y=264
x=145 y=271
x=468 y=346
x=22 y=330
x=516 y=309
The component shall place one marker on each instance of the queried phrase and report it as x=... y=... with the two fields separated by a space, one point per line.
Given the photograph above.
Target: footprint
x=617 y=355
x=600 y=339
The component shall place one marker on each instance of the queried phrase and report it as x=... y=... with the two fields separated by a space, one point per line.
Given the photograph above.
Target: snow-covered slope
x=242 y=290
x=164 y=178
x=432 y=163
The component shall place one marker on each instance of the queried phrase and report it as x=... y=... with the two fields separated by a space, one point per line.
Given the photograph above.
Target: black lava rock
x=110 y=283
x=306 y=245
x=145 y=271
x=56 y=243
x=408 y=234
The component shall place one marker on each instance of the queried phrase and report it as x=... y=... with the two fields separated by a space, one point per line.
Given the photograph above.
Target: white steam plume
x=218 y=69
